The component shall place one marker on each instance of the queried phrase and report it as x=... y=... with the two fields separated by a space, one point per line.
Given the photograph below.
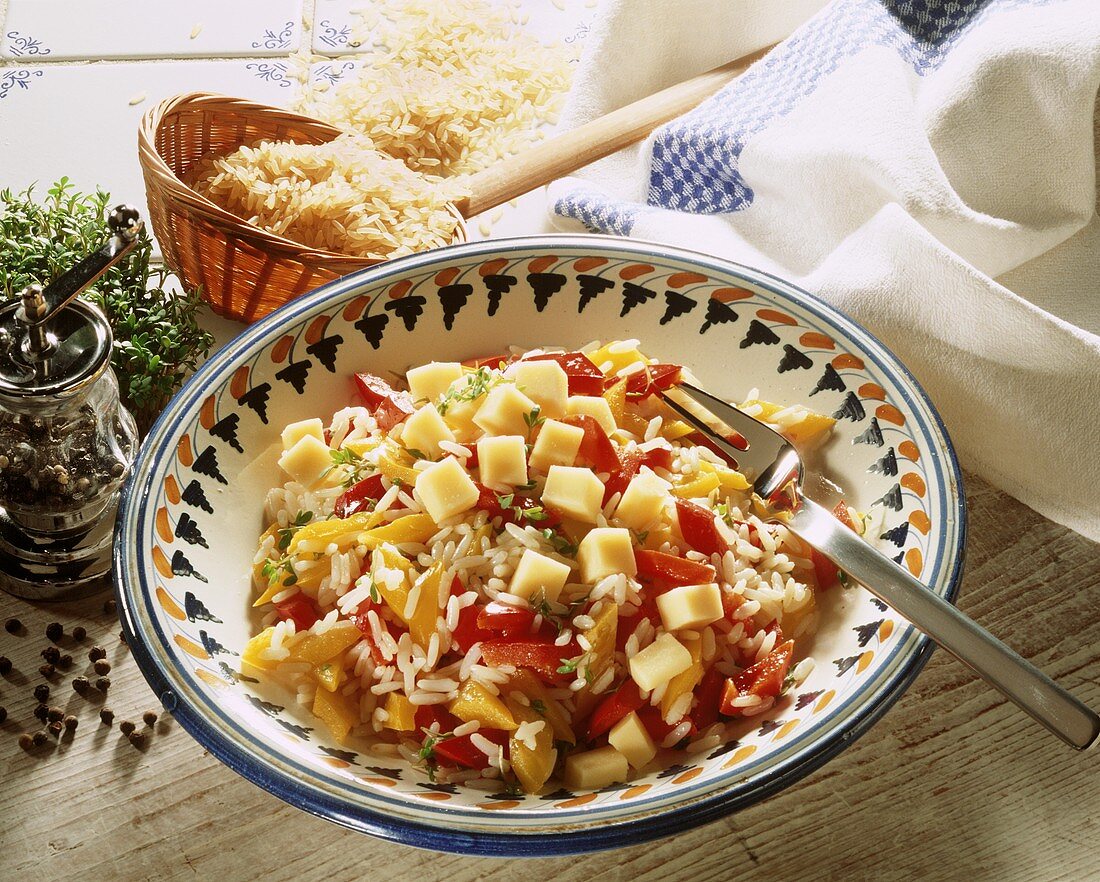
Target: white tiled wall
x=77 y=75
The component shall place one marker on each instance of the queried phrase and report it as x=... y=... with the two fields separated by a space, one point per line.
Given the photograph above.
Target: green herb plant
x=157 y=339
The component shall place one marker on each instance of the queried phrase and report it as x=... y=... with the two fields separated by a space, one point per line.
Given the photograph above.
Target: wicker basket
x=244 y=272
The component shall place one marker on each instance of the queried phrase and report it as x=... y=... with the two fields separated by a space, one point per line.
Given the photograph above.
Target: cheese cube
x=575 y=492
x=460 y=417
x=690 y=606
x=295 y=432
x=538 y=573
x=504 y=410
x=557 y=444
x=604 y=551
x=630 y=738
x=595 y=406
x=594 y=769
x=545 y=383
x=307 y=461
x=642 y=500
x=433 y=379
x=424 y=430
x=659 y=662
x=446 y=490
x=503 y=461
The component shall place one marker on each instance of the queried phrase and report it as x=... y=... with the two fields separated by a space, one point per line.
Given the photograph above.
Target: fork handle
x=1017 y=679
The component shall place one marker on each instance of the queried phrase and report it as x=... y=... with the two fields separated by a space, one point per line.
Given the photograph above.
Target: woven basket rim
x=155 y=165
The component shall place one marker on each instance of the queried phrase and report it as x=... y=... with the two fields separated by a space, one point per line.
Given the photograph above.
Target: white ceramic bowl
x=192 y=513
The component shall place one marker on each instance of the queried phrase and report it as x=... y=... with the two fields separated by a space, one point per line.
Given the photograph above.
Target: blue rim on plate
x=608 y=835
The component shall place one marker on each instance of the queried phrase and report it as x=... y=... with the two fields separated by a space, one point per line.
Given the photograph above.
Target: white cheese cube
x=557 y=444
x=424 y=430
x=295 y=432
x=460 y=417
x=307 y=461
x=630 y=738
x=433 y=379
x=504 y=410
x=503 y=461
x=445 y=489
x=604 y=551
x=690 y=606
x=659 y=662
x=595 y=406
x=575 y=492
x=642 y=500
x=538 y=574
x=545 y=383
x=594 y=769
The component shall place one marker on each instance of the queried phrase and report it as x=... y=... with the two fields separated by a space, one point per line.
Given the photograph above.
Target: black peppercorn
x=54 y=728
x=121 y=638
x=149 y=717
x=46 y=670
x=42 y=692
x=103 y=684
x=5 y=665
x=126 y=727
x=40 y=712
x=65 y=662
x=102 y=667
x=39 y=738
x=80 y=684
x=79 y=633
x=109 y=607
x=54 y=631
x=51 y=654
x=54 y=714
x=106 y=715
x=3 y=714
x=137 y=739
x=13 y=626
x=26 y=741
x=96 y=653
x=70 y=722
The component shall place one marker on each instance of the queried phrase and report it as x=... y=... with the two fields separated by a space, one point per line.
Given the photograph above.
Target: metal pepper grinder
x=66 y=443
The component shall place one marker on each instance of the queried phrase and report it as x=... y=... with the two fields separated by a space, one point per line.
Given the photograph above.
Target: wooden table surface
x=951 y=784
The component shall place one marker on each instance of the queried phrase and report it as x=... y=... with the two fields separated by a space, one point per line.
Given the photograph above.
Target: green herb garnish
x=477 y=384
x=533 y=419
x=539 y=707
x=286 y=534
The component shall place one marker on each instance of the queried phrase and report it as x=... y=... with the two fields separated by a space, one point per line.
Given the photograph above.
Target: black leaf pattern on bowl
x=545 y=286
x=718 y=313
x=195 y=496
x=296 y=373
x=212 y=646
x=897 y=534
x=188 y=531
x=385 y=773
x=226 y=430
x=497 y=286
x=591 y=288
x=723 y=749
x=674 y=769
x=851 y=409
x=806 y=698
x=830 y=380
x=794 y=359
x=196 y=610
x=618 y=786
x=888 y=465
x=879 y=603
x=373 y=327
x=759 y=332
x=346 y=755
x=256 y=399
x=440 y=788
x=181 y=566
x=294 y=729
x=891 y=498
x=873 y=435
x=325 y=351
x=206 y=463
x=843 y=665
x=634 y=295
x=768 y=726
x=866 y=632
x=408 y=309
x=265 y=707
x=676 y=305
x=453 y=298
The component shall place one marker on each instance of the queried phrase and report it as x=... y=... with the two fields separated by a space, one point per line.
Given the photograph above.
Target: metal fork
x=775 y=468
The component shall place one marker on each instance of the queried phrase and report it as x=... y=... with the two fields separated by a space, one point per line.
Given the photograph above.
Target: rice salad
x=524 y=571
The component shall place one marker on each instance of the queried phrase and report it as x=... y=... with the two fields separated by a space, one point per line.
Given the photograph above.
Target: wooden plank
x=951 y=784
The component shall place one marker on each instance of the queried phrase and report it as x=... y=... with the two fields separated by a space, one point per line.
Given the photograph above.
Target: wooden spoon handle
x=594 y=140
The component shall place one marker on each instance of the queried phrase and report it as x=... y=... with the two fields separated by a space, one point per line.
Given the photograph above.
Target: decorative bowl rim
x=578 y=838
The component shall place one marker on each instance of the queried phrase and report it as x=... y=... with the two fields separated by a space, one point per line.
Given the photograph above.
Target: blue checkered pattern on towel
x=694 y=166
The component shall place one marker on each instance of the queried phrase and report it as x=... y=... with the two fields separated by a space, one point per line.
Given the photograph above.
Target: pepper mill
x=66 y=442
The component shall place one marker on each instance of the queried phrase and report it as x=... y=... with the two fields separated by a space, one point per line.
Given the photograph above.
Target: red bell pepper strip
x=466 y=632
x=826 y=573
x=360 y=497
x=585 y=378
x=460 y=751
x=299 y=608
x=765 y=678
x=657 y=728
x=699 y=529
x=389 y=406
x=623 y=701
x=708 y=698
x=642 y=384
x=596 y=450
x=668 y=570
x=505 y=618
x=489 y=501
x=426 y=714
x=540 y=657
x=630 y=463
x=361 y=622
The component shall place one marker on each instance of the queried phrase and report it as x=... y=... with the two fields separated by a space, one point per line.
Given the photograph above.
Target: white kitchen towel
x=927 y=166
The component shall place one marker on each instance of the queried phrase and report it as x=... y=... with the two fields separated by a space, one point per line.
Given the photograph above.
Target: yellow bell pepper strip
x=475 y=702
x=810 y=431
x=685 y=681
x=633 y=423
x=411 y=528
x=547 y=708
x=401 y=713
x=601 y=637
x=392 y=463
x=423 y=621
x=343 y=532
x=532 y=767
x=315 y=649
x=616 y=400
x=361 y=446
x=384 y=560
x=673 y=430
x=618 y=360
x=330 y=675
x=728 y=479
x=335 y=711
x=253 y=651
x=702 y=485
